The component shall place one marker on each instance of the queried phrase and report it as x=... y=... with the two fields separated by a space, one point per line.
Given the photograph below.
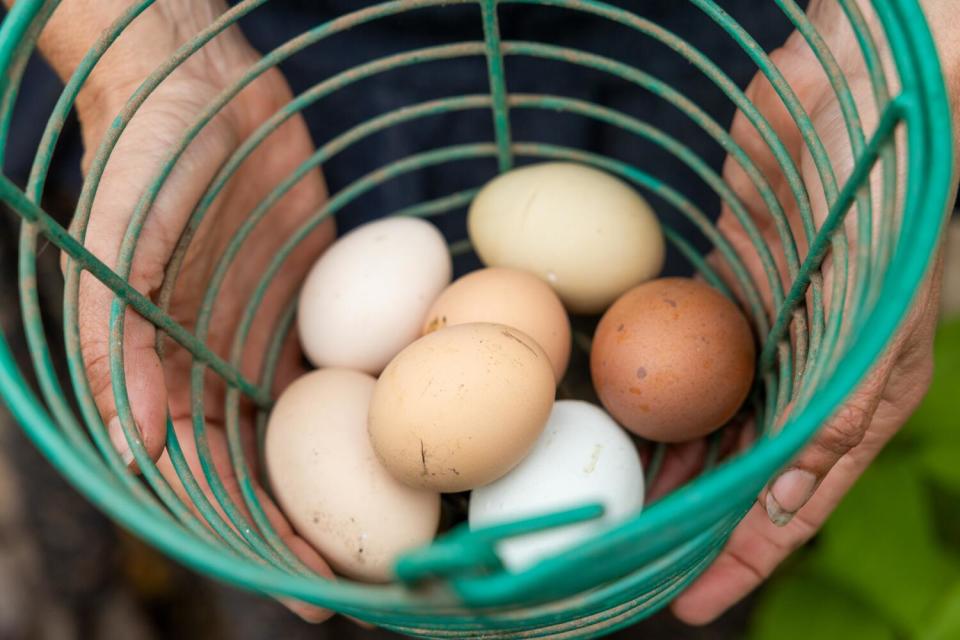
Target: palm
x=157 y=386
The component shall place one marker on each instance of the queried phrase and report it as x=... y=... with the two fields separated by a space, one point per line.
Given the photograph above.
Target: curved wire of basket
x=812 y=355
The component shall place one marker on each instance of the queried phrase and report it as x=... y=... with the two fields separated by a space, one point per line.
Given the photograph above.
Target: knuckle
x=846 y=429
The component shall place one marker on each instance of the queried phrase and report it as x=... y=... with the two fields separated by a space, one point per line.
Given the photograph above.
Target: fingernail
x=119 y=440
x=787 y=495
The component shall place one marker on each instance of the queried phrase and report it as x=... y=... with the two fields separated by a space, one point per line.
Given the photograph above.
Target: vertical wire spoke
x=881 y=93
x=714 y=74
x=271 y=124
x=889 y=119
x=840 y=313
x=498 y=83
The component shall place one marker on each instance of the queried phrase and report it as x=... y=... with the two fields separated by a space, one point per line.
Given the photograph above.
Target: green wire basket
x=456 y=587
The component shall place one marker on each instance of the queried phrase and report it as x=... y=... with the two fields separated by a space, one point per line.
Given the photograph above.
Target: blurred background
x=887 y=565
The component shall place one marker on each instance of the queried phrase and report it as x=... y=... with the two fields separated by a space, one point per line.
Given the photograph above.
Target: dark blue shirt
x=280 y=20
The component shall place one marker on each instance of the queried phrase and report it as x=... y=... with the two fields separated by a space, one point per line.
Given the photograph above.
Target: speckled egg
x=673 y=359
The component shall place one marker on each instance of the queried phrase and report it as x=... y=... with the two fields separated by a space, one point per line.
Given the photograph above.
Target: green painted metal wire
x=811 y=357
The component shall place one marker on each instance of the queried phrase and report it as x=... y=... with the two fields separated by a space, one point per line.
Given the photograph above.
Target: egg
x=461 y=406
x=515 y=298
x=582 y=457
x=365 y=298
x=673 y=359
x=330 y=484
x=586 y=233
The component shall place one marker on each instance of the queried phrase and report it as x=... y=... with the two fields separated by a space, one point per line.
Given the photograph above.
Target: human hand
x=797 y=502
x=158 y=386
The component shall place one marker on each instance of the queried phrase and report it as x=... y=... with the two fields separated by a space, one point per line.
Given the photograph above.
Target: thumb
x=144 y=379
x=896 y=385
x=789 y=491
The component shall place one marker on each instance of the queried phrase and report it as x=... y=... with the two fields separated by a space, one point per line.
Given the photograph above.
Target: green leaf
x=797 y=607
x=946 y=622
x=881 y=545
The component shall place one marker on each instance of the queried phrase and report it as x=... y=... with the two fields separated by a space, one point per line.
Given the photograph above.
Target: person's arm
x=799 y=500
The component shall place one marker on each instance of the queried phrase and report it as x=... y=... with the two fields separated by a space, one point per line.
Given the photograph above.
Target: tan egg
x=588 y=234
x=515 y=298
x=673 y=359
x=330 y=484
x=461 y=406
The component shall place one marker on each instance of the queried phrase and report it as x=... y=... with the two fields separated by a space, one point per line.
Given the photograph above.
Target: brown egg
x=673 y=359
x=507 y=296
x=461 y=406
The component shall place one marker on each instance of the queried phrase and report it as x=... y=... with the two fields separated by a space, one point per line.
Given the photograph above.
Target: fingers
x=132 y=165
x=876 y=411
x=145 y=387
x=758 y=546
x=751 y=555
x=793 y=487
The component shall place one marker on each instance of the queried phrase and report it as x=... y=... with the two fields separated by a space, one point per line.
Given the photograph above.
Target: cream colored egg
x=365 y=298
x=462 y=406
x=588 y=234
x=330 y=484
x=515 y=298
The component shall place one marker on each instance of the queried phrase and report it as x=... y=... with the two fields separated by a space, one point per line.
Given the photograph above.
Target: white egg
x=582 y=457
x=366 y=297
x=330 y=484
x=583 y=231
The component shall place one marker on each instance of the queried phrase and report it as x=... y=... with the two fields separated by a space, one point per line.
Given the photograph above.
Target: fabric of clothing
x=280 y=20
